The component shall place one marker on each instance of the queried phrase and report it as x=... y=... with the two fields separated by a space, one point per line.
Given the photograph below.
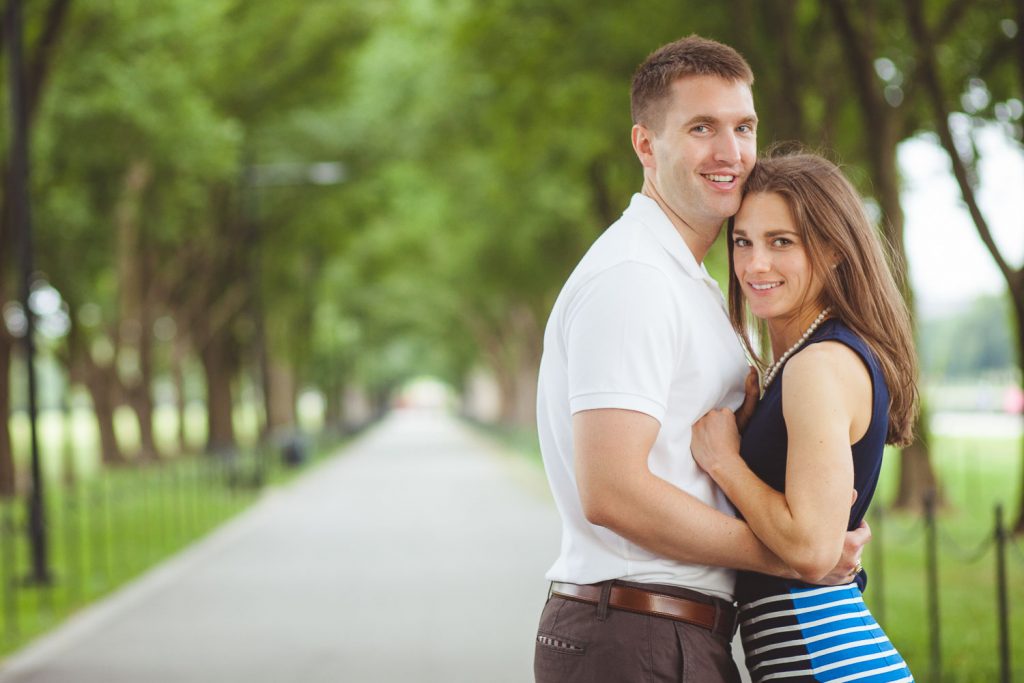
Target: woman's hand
x=849 y=564
x=752 y=394
x=715 y=440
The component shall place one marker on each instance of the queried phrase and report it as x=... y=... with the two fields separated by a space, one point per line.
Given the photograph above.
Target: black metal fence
x=938 y=548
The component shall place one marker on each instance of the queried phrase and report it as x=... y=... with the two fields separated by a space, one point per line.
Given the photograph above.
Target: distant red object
x=1013 y=400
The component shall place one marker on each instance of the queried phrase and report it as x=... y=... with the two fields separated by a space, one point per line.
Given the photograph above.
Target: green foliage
x=485 y=146
x=971 y=343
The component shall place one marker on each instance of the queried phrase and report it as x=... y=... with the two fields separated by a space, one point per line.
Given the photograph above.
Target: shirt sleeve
x=623 y=341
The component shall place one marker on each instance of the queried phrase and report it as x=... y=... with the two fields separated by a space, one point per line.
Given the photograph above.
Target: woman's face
x=771 y=261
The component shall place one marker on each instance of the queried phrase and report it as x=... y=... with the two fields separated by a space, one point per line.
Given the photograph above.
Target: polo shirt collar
x=646 y=211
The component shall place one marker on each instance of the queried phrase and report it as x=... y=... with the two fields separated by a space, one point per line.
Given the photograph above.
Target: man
x=638 y=347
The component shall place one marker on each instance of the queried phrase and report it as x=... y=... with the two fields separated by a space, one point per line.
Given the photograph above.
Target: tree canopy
x=333 y=195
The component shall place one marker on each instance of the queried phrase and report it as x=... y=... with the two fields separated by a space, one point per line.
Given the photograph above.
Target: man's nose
x=727 y=148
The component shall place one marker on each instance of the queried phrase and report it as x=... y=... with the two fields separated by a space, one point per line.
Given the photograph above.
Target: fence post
x=1002 y=598
x=932 y=566
x=877 y=575
x=72 y=530
x=9 y=561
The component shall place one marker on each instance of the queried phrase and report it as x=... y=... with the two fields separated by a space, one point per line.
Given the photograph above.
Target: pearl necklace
x=773 y=369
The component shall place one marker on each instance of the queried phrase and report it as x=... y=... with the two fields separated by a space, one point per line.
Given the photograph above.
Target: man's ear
x=643 y=145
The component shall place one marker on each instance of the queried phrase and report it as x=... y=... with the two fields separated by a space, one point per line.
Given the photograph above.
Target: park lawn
x=976 y=474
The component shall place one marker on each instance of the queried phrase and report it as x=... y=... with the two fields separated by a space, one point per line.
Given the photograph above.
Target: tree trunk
x=7 y=472
x=134 y=280
x=39 y=61
x=525 y=399
x=103 y=386
x=357 y=408
x=917 y=476
x=144 y=405
x=178 y=352
x=217 y=366
x=1017 y=295
x=334 y=410
x=789 y=121
x=281 y=397
x=506 y=390
x=515 y=361
x=140 y=394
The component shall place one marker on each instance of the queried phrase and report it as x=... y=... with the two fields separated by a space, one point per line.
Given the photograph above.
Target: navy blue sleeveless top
x=765 y=442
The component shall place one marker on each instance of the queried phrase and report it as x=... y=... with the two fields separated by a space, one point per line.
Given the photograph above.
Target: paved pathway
x=417 y=557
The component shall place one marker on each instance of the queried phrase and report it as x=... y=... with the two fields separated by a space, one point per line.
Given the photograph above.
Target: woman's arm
x=827 y=406
x=619 y=492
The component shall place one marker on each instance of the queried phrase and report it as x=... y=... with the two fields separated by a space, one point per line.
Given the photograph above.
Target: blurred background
x=258 y=226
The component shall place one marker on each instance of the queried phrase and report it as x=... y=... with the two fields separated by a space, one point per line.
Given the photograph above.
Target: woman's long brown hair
x=861 y=290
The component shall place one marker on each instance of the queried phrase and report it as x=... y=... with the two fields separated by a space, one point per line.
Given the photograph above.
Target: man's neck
x=698 y=237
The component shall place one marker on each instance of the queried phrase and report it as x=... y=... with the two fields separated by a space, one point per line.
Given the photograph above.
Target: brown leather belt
x=719 y=618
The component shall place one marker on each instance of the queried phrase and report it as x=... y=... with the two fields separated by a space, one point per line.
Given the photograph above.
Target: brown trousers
x=582 y=643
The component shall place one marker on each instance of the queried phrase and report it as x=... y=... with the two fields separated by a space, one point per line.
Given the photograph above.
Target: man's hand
x=752 y=394
x=849 y=563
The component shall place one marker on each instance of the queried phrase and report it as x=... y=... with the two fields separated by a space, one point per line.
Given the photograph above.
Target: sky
x=949 y=264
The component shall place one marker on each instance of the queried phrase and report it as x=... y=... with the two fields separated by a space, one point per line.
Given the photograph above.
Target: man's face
x=705 y=148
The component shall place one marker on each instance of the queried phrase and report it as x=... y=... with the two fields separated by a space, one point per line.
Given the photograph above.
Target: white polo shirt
x=639 y=325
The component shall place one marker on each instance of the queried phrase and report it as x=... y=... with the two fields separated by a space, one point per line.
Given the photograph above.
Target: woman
x=808 y=265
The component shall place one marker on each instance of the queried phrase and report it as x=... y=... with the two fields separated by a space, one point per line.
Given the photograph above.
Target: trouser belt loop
x=602 y=604
x=725 y=620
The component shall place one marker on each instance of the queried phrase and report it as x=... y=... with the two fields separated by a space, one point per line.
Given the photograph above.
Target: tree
x=39 y=60
x=886 y=112
x=145 y=138
x=944 y=80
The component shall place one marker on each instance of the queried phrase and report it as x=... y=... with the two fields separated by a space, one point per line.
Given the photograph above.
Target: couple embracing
x=699 y=495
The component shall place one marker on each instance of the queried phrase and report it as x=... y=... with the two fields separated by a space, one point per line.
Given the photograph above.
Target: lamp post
x=22 y=223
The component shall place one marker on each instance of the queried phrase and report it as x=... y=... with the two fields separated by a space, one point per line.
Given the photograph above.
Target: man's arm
x=619 y=492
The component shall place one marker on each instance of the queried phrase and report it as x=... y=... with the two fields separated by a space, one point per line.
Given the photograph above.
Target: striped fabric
x=818 y=634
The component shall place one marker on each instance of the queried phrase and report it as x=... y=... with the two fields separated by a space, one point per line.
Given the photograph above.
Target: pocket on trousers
x=560 y=644
x=557 y=659
x=559 y=649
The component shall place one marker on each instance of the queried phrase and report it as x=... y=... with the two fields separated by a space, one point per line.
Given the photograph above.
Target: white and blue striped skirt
x=818 y=634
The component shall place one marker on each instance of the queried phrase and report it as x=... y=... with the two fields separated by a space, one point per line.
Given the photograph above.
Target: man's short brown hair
x=689 y=56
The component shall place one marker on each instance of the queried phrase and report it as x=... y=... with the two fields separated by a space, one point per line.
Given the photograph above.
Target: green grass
x=976 y=474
